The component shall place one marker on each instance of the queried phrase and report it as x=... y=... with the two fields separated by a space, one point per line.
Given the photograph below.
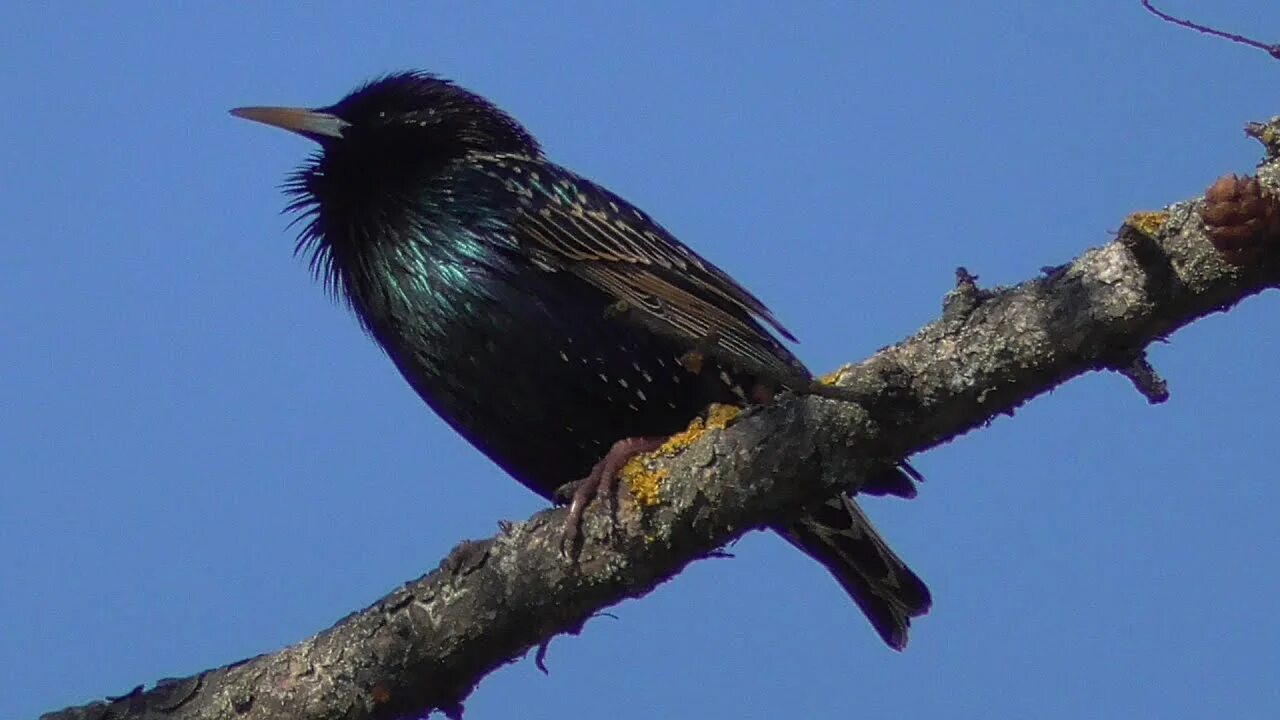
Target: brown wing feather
x=573 y=225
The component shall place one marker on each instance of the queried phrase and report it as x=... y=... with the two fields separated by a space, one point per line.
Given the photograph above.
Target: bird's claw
x=601 y=482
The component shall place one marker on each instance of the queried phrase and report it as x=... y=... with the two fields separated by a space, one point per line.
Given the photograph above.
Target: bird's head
x=412 y=116
x=382 y=151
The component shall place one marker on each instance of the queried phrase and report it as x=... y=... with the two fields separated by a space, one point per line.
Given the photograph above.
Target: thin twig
x=1272 y=50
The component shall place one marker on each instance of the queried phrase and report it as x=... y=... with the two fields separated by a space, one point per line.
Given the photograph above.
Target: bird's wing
x=568 y=224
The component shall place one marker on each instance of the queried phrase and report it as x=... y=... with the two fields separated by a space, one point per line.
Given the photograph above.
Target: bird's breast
x=531 y=367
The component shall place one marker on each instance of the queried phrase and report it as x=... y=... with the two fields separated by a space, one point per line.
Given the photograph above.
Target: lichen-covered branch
x=425 y=646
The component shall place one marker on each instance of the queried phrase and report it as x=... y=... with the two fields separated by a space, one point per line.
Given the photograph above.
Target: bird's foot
x=602 y=482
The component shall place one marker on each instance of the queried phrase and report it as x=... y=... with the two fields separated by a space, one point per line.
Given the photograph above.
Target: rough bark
x=426 y=645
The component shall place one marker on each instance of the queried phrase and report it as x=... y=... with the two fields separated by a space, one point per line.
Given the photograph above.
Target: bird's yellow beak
x=308 y=123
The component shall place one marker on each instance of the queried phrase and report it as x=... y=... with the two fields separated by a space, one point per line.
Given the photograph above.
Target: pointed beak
x=307 y=123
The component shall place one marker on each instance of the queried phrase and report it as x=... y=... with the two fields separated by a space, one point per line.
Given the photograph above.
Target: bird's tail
x=840 y=536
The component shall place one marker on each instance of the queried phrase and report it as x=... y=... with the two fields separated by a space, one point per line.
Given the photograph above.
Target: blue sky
x=204 y=459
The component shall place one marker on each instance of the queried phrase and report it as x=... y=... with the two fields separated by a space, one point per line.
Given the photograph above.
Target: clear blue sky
x=202 y=458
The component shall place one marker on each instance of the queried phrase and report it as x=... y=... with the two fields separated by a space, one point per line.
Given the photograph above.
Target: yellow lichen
x=1147 y=223
x=720 y=416
x=645 y=484
x=831 y=378
x=684 y=438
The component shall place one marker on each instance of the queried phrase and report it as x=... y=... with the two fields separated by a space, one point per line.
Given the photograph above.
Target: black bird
x=550 y=322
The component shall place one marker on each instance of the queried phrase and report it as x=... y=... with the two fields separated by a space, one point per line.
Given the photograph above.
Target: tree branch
x=425 y=646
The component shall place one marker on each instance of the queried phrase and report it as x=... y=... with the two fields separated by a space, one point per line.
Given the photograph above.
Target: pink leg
x=603 y=482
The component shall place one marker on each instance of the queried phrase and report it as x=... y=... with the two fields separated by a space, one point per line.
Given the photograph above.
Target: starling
x=553 y=324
